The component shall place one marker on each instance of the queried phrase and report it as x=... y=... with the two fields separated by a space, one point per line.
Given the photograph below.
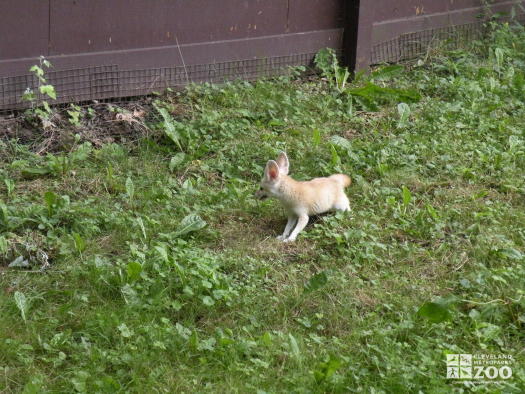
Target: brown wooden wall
x=390 y=31
x=103 y=49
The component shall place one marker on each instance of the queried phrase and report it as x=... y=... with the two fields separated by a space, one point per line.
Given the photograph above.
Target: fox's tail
x=342 y=179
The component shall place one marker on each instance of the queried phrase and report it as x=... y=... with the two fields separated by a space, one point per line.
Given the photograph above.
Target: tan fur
x=302 y=199
x=313 y=197
x=342 y=178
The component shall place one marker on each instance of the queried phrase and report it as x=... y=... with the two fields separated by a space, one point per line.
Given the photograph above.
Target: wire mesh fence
x=109 y=83
x=412 y=45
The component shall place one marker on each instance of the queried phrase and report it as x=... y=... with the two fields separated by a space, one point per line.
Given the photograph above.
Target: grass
x=165 y=275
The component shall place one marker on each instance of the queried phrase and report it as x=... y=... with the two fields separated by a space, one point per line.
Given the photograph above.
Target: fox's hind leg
x=342 y=203
x=292 y=221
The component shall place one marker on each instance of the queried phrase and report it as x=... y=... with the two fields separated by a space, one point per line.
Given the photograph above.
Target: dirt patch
x=97 y=123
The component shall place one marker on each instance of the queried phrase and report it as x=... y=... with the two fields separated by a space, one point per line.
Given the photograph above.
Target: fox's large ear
x=271 y=172
x=283 y=163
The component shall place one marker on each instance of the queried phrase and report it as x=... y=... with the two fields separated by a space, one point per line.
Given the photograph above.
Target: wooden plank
x=24 y=28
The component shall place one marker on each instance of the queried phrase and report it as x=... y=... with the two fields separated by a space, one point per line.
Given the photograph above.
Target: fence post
x=351 y=23
x=357 y=46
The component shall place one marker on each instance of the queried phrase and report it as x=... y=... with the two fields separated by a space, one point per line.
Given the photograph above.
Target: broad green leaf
x=294 y=346
x=79 y=381
x=51 y=200
x=266 y=339
x=125 y=331
x=130 y=294
x=4 y=218
x=21 y=303
x=403 y=110
x=176 y=161
x=190 y=223
x=130 y=188
x=324 y=61
x=434 y=312
x=133 y=270
x=32 y=173
x=49 y=90
x=34 y=385
x=387 y=72
x=140 y=222
x=432 y=212
x=80 y=243
x=10 y=185
x=341 y=78
x=341 y=142
x=407 y=196
x=176 y=305
x=82 y=152
x=208 y=301
x=498 y=52
x=373 y=92
x=316 y=137
x=510 y=253
x=163 y=251
x=37 y=70
x=325 y=370
x=169 y=125
x=316 y=282
x=335 y=156
x=3 y=245
x=465 y=283
x=194 y=340
x=47 y=109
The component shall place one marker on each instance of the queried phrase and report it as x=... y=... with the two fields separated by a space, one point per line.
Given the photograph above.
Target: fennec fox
x=302 y=199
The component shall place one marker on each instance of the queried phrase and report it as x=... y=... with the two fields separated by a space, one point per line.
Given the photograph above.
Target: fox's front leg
x=288 y=229
x=302 y=221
